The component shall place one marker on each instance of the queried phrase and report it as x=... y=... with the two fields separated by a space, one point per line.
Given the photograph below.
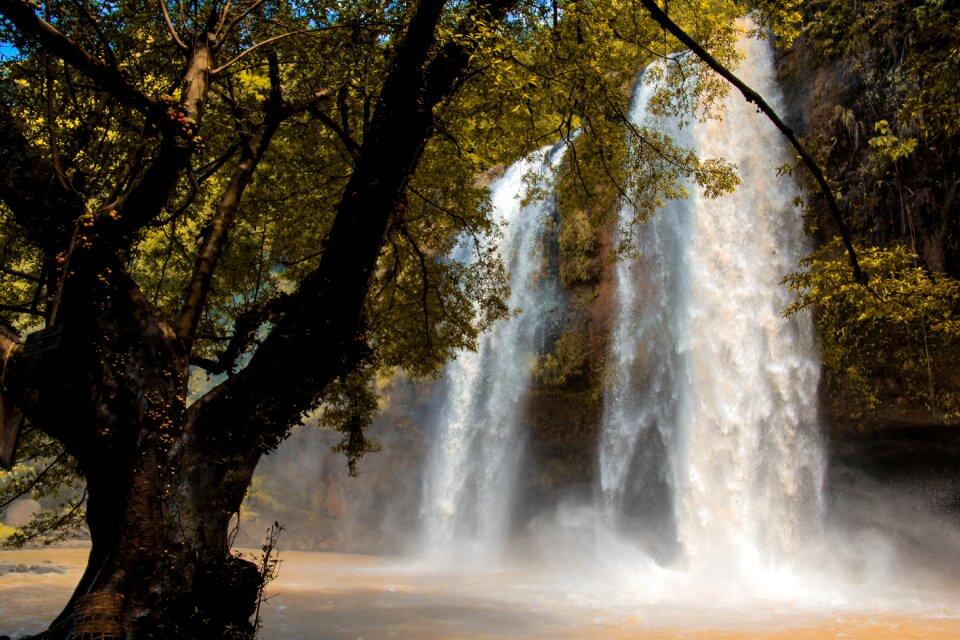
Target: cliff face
x=840 y=99
x=563 y=410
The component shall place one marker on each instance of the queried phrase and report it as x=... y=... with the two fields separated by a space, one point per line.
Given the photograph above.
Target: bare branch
x=27 y=310
x=223 y=19
x=221 y=35
x=217 y=230
x=171 y=28
x=260 y=44
x=19 y=274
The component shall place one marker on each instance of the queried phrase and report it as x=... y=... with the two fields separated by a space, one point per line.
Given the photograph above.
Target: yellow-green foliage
x=910 y=48
x=579 y=261
x=783 y=17
x=890 y=145
x=898 y=331
x=935 y=62
x=547 y=371
x=572 y=350
x=569 y=359
x=550 y=70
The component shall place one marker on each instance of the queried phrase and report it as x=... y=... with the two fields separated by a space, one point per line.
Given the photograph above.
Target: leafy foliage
x=203 y=155
x=44 y=473
x=898 y=333
x=889 y=145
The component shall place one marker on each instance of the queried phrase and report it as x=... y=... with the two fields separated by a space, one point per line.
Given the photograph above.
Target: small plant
x=269 y=565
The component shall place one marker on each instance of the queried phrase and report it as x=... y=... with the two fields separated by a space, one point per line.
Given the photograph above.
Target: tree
x=267 y=191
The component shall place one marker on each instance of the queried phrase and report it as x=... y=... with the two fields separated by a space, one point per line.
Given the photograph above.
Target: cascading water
x=709 y=445
x=468 y=487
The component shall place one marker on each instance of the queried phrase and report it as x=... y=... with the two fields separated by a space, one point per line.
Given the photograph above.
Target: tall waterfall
x=709 y=446
x=469 y=480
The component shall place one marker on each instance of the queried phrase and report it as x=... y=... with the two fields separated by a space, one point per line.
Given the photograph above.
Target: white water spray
x=710 y=446
x=469 y=481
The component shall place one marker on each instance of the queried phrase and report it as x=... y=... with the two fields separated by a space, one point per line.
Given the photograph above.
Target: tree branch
x=424 y=282
x=217 y=230
x=752 y=96
x=19 y=274
x=222 y=33
x=95 y=25
x=108 y=78
x=26 y=310
x=320 y=337
x=352 y=147
x=29 y=186
x=260 y=44
x=244 y=334
x=148 y=194
x=223 y=19
x=37 y=479
x=10 y=348
x=170 y=28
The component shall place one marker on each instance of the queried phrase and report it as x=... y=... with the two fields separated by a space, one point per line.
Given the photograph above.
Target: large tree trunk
x=159 y=498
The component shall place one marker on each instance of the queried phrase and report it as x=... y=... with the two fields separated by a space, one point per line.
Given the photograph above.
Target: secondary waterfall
x=709 y=448
x=468 y=488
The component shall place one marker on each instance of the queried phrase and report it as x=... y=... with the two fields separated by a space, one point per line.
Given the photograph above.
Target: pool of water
x=352 y=597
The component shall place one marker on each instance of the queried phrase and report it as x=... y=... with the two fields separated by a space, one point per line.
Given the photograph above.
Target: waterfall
x=709 y=444
x=478 y=442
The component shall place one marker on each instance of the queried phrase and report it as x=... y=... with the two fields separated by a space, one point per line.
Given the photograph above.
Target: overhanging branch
x=170 y=28
x=320 y=337
x=752 y=96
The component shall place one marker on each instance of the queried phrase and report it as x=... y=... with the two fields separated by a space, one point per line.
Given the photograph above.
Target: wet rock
x=38 y=569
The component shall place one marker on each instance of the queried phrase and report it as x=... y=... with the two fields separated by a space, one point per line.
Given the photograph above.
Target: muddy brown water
x=352 y=597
